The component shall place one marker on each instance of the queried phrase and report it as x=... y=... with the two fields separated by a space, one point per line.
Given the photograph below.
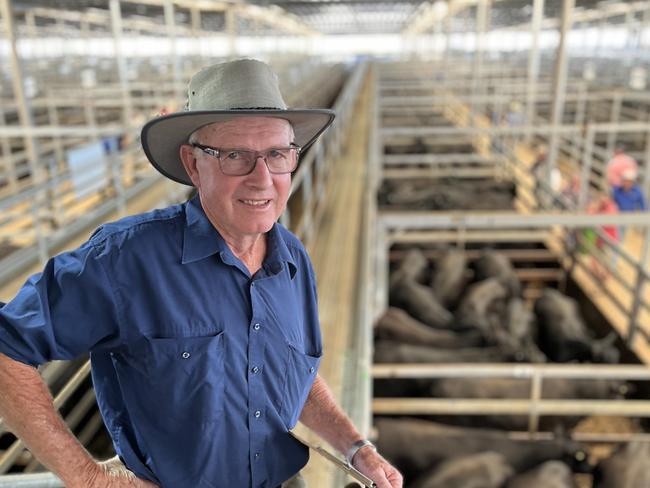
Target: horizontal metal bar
x=419 y=220
x=436 y=159
x=520 y=129
x=463 y=235
x=410 y=173
x=63 y=131
x=437 y=406
x=515 y=370
x=37 y=480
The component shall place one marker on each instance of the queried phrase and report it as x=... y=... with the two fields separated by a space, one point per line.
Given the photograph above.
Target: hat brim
x=162 y=137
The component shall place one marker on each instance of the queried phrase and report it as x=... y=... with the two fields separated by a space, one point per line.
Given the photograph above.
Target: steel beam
x=533 y=62
x=509 y=406
x=513 y=370
x=170 y=25
x=18 y=78
x=425 y=220
x=116 y=25
x=561 y=74
x=482 y=11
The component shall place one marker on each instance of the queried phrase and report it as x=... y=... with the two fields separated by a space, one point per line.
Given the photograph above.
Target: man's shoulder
x=138 y=225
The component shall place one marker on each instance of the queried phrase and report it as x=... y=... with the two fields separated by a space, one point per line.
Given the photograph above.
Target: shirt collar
x=201 y=239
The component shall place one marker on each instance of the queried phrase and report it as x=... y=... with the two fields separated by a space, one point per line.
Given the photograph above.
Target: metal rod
x=438 y=406
x=514 y=370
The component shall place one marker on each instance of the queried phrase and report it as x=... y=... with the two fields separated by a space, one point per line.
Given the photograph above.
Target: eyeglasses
x=241 y=162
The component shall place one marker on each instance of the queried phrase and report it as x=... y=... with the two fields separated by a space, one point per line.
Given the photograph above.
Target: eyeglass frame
x=215 y=152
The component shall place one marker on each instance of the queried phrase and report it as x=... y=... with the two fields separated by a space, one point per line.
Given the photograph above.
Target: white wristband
x=349 y=456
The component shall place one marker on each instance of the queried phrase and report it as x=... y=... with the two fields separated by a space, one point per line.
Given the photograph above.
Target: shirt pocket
x=184 y=376
x=301 y=373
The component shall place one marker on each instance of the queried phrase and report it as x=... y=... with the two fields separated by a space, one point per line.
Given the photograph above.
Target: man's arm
x=322 y=415
x=28 y=411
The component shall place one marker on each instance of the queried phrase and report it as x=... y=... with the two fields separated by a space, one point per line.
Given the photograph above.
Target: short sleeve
x=62 y=312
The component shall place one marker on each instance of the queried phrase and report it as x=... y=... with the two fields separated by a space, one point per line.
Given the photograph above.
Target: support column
x=7 y=159
x=481 y=28
x=197 y=29
x=615 y=117
x=231 y=31
x=446 y=49
x=23 y=105
x=645 y=185
x=559 y=94
x=171 y=34
x=116 y=23
x=533 y=64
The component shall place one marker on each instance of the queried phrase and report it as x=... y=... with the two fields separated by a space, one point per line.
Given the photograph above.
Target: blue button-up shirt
x=200 y=369
x=629 y=201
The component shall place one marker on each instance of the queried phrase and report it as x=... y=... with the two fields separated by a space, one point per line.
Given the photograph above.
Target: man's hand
x=113 y=474
x=374 y=466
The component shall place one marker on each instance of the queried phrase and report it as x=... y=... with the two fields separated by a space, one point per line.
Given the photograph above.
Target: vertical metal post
x=585 y=172
x=116 y=23
x=533 y=64
x=615 y=117
x=23 y=105
x=30 y=22
x=446 y=50
x=481 y=28
x=170 y=25
x=639 y=287
x=231 y=30
x=581 y=104
x=645 y=184
x=535 y=397
x=561 y=63
x=7 y=159
x=195 y=15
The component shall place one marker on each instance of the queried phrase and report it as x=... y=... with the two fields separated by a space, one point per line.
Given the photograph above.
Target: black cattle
x=397 y=325
x=493 y=264
x=628 y=467
x=551 y=474
x=449 y=278
x=415 y=446
x=418 y=300
x=563 y=335
x=484 y=470
x=482 y=307
x=396 y=352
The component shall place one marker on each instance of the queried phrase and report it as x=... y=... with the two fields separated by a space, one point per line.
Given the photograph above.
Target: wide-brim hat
x=222 y=92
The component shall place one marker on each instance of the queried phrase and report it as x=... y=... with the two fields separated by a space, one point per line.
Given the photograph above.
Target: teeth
x=256 y=202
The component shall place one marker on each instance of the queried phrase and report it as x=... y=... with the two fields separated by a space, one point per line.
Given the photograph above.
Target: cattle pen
x=541 y=234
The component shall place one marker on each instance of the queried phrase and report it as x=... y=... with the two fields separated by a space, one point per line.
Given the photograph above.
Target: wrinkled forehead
x=273 y=130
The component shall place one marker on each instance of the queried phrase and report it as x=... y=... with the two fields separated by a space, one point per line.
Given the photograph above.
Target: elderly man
x=201 y=318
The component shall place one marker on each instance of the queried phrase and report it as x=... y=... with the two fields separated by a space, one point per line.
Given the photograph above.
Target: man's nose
x=261 y=174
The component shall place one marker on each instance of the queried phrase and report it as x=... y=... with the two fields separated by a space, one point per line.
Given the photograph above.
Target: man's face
x=627 y=184
x=247 y=205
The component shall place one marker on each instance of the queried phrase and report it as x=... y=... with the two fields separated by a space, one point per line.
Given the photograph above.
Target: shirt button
x=258 y=414
x=255 y=369
x=185 y=355
x=256 y=327
x=257 y=455
x=312 y=369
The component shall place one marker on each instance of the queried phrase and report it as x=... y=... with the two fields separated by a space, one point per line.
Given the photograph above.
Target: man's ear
x=189 y=163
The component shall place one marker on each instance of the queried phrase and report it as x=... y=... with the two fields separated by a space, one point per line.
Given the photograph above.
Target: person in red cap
x=620 y=163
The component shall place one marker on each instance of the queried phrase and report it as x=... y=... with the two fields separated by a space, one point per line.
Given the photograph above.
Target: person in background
x=620 y=163
x=628 y=197
x=603 y=204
